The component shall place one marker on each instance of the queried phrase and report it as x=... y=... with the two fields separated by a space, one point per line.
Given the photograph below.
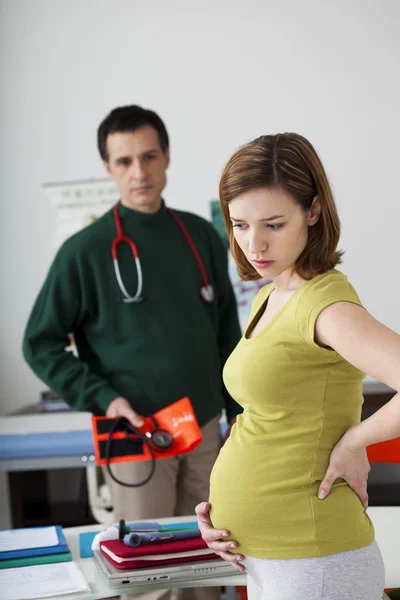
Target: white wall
x=219 y=73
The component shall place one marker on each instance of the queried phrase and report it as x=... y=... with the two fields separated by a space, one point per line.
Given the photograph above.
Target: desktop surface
x=99 y=585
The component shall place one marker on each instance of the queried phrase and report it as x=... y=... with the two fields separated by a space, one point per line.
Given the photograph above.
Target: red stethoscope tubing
x=192 y=247
x=206 y=290
x=121 y=237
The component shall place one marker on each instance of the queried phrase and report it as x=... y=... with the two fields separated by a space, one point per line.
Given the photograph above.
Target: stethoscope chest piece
x=207 y=293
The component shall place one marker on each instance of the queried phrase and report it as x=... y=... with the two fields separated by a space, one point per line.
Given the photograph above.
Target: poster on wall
x=245 y=291
x=72 y=205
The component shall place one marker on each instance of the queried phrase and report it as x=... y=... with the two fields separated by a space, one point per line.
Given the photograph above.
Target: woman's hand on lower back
x=349 y=462
x=214 y=537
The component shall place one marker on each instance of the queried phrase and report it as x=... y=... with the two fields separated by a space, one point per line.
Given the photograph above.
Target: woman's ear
x=315 y=212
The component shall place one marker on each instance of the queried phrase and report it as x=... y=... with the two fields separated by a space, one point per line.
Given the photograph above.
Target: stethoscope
x=206 y=290
x=158 y=439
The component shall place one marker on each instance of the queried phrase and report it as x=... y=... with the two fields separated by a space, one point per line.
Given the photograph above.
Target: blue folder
x=61 y=546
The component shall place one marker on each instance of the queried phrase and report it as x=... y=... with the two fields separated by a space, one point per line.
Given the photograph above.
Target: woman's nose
x=257 y=244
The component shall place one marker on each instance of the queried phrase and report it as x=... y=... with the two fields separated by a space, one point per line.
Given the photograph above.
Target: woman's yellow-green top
x=298 y=400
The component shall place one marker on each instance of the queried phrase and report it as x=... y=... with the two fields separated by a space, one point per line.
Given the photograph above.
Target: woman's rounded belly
x=248 y=496
x=267 y=500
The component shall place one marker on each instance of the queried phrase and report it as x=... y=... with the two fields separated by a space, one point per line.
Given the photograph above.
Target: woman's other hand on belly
x=213 y=537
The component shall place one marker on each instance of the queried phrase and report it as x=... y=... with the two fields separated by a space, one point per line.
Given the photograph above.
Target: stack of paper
x=42 y=581
x=33 y=546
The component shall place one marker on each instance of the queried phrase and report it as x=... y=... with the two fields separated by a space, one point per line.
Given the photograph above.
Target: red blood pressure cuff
x=178 y=419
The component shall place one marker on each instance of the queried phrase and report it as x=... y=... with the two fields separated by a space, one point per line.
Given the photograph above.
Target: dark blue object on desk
x=136 y=539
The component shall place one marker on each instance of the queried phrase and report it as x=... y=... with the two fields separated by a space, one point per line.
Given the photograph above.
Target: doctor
x=146 y=293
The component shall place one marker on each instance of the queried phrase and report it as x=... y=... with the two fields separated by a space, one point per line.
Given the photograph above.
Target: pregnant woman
x=288 y=491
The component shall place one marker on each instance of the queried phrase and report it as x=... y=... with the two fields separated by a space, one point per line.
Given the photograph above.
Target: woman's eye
x=275 y=226
x=239 y=225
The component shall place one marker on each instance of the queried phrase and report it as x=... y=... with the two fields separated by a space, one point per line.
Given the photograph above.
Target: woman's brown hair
x=288 y=161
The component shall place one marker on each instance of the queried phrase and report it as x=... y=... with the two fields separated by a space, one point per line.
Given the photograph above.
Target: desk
x=386 y=520
x=387 y=526
x=99 y=584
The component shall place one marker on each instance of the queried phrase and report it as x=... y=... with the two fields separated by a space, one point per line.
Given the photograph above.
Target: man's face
x=138 y=166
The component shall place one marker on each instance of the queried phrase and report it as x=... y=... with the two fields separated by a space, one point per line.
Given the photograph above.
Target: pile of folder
x=157 y=546
x=33 y=546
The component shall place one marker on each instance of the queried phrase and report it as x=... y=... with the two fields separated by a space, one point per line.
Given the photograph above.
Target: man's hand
x=349 y=462
x=120 y=407
x=212 y=537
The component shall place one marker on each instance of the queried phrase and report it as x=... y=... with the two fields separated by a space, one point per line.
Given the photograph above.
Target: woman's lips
x=263 y=264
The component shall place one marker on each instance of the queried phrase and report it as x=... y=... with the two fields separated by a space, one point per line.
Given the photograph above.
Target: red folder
x=156 y=555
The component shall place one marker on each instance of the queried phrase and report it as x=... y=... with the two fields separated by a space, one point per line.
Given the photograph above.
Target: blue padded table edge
x=38 y=445
x=49 y=444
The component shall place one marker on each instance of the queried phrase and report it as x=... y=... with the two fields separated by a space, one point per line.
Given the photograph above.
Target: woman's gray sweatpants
x=354 y=575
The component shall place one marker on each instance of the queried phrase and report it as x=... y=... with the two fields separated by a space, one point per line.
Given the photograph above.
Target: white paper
x=184 y=554
x=41 y=581
x=22 y=539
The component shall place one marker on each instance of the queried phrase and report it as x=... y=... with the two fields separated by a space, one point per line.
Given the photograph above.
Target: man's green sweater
x=171 y=345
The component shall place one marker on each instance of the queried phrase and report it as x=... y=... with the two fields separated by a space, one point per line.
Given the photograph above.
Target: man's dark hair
x=129 y=118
